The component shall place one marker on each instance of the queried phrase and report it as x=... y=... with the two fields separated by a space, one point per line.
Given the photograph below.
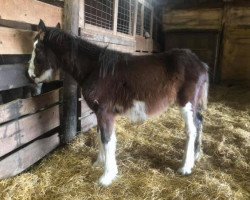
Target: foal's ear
x=41 y=29
x=41 y=26
x=58 y=25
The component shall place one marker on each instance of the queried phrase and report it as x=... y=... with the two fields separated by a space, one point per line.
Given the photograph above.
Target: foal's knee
x=105 y=136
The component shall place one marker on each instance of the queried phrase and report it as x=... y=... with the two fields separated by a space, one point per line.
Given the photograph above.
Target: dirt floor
x=148 y=156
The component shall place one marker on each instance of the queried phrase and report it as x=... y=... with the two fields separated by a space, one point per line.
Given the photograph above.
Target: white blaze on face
x=46 y=75
x=31 y=70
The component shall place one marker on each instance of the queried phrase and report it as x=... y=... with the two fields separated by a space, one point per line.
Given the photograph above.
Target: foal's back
x=161 y=79
x=156 y=80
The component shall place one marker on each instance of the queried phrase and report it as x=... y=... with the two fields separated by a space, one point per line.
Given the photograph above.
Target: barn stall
x=148 y=160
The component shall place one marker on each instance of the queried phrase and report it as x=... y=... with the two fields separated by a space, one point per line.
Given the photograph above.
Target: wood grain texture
x=13 y=76
x=30 y=11
x=236 y=59
x=239 y=17
x=70 y=93
x=143 y=44
x=107 y=38
x=21 y=107
x=24 y=158
x=15 y=41
x=192 y=19
x=17 y=133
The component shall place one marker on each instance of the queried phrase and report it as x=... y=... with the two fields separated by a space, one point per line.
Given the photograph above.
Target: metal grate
x=139 y=19
x=99 y=13
x=147 y=20
x=126 y=16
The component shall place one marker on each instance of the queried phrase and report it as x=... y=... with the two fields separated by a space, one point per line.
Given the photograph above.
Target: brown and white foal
x=116 y=83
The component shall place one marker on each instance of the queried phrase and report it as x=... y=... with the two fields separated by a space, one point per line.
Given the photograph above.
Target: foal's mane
x=77 y=46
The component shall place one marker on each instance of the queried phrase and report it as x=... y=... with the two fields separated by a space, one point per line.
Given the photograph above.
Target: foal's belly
x=138 y=112
x=141 y=111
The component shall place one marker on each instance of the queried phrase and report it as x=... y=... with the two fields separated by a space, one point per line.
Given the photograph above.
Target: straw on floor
x=148 y=156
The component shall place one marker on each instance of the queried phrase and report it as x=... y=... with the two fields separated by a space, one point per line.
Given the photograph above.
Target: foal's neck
x=75 y=56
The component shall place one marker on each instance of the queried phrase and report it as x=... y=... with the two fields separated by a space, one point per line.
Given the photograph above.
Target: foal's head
x=43 y=63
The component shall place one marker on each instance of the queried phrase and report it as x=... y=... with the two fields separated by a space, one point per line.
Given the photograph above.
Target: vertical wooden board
x=22 y=107
x=19 y=132
x=14 y=41
x=24 y=158
x=236 y=59
x=30 y=11
x=70 y=90
x=140 y=43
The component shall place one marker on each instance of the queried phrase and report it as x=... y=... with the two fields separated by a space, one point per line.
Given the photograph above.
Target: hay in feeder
x=148 y=156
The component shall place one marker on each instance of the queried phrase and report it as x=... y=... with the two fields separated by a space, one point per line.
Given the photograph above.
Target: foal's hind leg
x=191 y=131
x=198 y=141
x=108 y=140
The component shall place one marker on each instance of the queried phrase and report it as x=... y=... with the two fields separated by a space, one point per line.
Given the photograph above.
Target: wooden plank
x=88 y=122
x=17 y=133
x=13 y=76
x=239 y=17
x=15 y=41
x=20 y=107
x=24 y=158
x=70 y=91
x=192 y=19
x=82 y=13
x=30 y=11
x=115 y=17
x=236 y=60
x=142 y=44
x=135 y=18
x=107 y=38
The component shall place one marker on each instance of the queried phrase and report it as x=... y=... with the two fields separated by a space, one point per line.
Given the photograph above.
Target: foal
x=116 y=83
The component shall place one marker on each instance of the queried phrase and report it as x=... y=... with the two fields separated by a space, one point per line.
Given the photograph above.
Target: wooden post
x=142 y=19
x=82 y=14
x=152 y=23
x=115 y=18
x=135 y=17
x=69 y=115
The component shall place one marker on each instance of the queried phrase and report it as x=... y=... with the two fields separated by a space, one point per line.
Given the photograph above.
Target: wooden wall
x=235 y=63
x=230 y=23
x=28 y=125
x=30 y=115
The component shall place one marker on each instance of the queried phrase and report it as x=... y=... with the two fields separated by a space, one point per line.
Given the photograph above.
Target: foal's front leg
x=191 y=131
x=108 y=143
x=101 y=155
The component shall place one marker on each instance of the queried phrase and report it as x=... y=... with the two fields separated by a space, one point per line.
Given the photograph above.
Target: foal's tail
x=203 y=100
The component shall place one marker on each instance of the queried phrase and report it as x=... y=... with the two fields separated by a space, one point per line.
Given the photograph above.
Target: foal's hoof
x=107 y=179
x=185 y=171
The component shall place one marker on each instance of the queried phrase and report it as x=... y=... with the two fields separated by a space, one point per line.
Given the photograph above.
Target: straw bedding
x=148 y=156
